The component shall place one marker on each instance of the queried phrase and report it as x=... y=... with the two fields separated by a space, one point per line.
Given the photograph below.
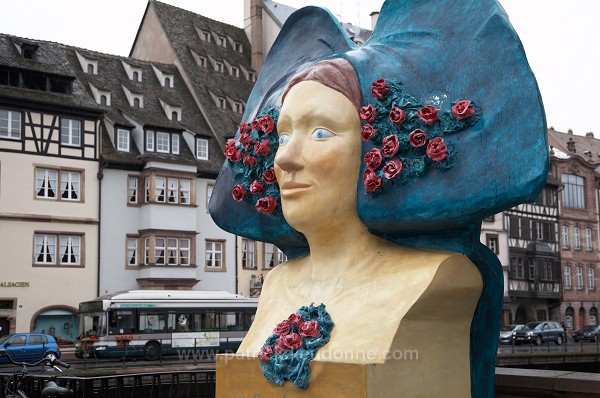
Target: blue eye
x=283 y=138
x=321 y=134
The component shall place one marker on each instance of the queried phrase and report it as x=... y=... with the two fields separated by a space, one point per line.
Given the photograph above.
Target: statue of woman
x=372 y=168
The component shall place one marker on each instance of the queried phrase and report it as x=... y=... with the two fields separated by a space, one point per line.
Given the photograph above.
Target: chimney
x=256 y=34
x=589 y=135
x=571 y=144
x=374 y=17
x=570 y=131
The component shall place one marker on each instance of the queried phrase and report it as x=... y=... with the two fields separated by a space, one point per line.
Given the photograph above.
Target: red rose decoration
x=392 y=168
x=463 y=109
x=397 y=116
x=368 y=113
x=269 y=176
x=379 y=88
x=231 y=151
x=246 y=140
x=238 y=192
x=280 y=346
x=368 y=132
x=371 y=180
x=373 y=158
x=309 y=329
x=266 y=124
x=417 y=138
x=292 y=340
x=256 y=124
x=266 y=353
x=295 y=320
x=245 y=128
x=390 y=145
x=256 y=187
x=437 y=150
x=428 y=114
x=250 y=161
x=262 y=148
x=266 y=205
x=282 y=328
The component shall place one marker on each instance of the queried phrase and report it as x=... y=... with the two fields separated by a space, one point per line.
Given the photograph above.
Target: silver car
x=506 y=333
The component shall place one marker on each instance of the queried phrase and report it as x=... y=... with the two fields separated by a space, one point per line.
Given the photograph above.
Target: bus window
x=231 y=321
x=248 y=319
x=152 y=322
x=184 y=321
x=121 y=321
x=205 y=321
x=171 y=322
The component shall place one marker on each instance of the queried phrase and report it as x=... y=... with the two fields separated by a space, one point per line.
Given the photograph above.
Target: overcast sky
x=560 y=38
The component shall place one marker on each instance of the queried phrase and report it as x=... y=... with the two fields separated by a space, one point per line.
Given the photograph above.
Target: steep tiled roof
x=182 y=29
x=49 y=60
x=587 y=147
x=279 y=12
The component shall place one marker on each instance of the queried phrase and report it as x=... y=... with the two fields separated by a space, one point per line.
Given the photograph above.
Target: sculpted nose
x=289 y=156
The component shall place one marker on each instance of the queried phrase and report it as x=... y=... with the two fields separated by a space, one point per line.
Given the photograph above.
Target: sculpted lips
x=292 y=187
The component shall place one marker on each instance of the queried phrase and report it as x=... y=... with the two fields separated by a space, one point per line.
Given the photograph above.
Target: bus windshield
x=92 y=323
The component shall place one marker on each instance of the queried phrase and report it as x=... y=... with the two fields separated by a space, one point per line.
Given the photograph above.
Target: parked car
x=539 y=332
x=588 y=332
x=28 y=346
x=506 y=333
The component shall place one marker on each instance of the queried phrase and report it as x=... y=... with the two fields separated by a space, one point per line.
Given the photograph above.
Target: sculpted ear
x=308 y=35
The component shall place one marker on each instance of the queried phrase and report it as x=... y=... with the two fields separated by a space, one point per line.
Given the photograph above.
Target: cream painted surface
x=18 y=178
x=13 y=145
x=152 y=43
x=48 y=286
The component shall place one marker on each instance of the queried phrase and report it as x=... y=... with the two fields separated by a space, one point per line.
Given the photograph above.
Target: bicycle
x=14 y=387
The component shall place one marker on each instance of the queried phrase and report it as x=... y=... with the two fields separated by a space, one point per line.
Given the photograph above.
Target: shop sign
x=14 y=284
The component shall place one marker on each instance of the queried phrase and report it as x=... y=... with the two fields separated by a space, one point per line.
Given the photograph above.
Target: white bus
x=164 y=322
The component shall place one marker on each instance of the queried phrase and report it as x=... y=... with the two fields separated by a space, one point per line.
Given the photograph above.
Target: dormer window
x=221 y=103
x=202 y=149
x=205 y=36
x=90 y=69
x=133 y=72
x=218 y=66
x=162 y=142
x=202 y=61
x=174 y=116
x=238 y=47
x=252 y=76
x=238 y=107
x=235 y=71
x=222 y=41
x=136 y=77
x=136 y=103
x=123 y=140
x=88 y=65
x=102 y=97
x=103 y=100
x=168 y=82
x=28 y=51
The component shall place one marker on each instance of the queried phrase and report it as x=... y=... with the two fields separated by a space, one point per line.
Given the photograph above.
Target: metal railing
x=176 y=384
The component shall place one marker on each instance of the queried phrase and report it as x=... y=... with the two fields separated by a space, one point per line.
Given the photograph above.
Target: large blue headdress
x=439 y=51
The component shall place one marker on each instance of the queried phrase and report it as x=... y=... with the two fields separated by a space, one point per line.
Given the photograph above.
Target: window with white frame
x=10 y=124
x=202 y=61
x=235 y=71
x=162 y=250
x=68 y=252
x=55 y=184
x=539 y=227
x=214 y=254
x=591 y=277
x=147 y=189
x=219 y=66
x=173 y=190
x=201 y=149
x=248 y=254
x=574 y=191
x=175 y=144
x=492 y=242
x=588 y=239
x=579 y=276
x=565 y=236
x=159 y=189
x=132 y=250
x=273 y=256
x=221 y=103
x=149 y=141
x=222 y=42
x=238 y=107
x=69 y=185
x=123 y=140
x=567 y=274
x=132 y=190
x=70 y=132
x=205 y=36
x=184 y=191
x=162 y=142
x=209 y=191
x=576 y=238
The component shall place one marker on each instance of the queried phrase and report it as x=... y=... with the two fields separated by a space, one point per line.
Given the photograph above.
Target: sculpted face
x=318 y=160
